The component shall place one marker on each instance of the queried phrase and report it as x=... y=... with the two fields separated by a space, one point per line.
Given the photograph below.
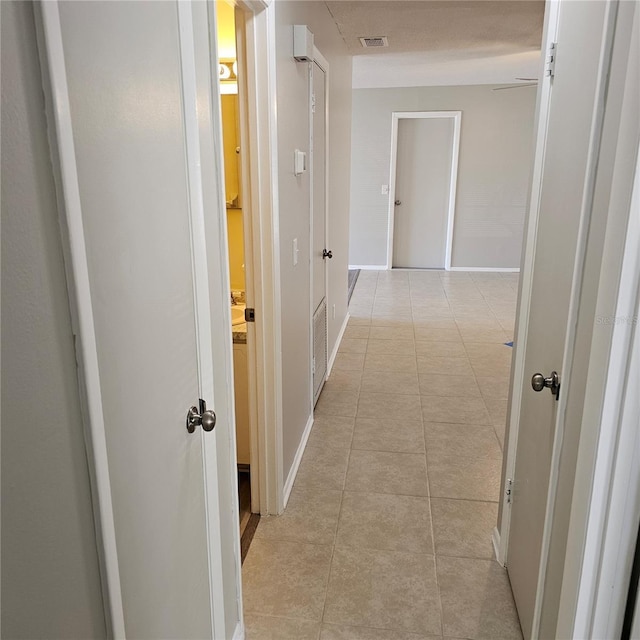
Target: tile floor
x=387 y=534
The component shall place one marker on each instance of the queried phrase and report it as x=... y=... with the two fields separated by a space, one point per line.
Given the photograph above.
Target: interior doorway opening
x=237 y=212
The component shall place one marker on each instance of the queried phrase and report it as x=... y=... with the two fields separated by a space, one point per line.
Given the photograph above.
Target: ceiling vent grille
x=378 y=41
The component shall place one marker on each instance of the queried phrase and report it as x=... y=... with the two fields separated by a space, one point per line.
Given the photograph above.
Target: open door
x=569 y=132
x=134 y=121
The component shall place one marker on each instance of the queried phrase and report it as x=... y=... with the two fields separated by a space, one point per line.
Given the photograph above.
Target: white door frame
x=51 y=52
x=260 y=186
x=605 y=511
x=614 y=510
x=396 y=116
x=323 y=63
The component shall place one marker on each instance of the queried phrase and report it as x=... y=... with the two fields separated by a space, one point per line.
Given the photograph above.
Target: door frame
x=611 y=527
x=396 y=116
x=323 y=63
x=605 y=509
x=211 y=292
x=258 y=129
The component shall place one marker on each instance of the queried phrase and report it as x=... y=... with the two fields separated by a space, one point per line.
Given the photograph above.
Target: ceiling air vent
x=378 y=41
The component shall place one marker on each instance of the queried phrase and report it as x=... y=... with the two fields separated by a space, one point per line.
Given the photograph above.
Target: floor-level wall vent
x=319 y=348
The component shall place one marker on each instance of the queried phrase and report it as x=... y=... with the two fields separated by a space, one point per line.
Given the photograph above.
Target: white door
x=422 y=192
x=126 y=78
x=320 y=251
x=563 y=194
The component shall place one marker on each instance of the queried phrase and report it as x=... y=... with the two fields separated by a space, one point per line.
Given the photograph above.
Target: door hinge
x=249 y=315
x=508 y=490
x=313 y=103
x=550 y=61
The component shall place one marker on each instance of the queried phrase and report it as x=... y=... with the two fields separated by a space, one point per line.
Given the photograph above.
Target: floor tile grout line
x=432 y=532
x=344 y=484
x=335 y=541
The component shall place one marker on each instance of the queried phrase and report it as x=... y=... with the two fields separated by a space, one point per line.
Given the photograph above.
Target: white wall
x=50 y=576
x=294 y=214
x=493 y=174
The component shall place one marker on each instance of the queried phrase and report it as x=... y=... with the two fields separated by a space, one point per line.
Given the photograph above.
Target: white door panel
x=319 y=186
x=564 y=177
x=135 y=138
x=422 y=188
x=319 y=226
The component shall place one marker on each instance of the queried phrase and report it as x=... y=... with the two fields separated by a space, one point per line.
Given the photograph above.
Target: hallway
x=387 y=533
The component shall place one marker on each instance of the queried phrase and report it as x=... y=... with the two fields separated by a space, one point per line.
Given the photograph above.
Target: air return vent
x=378 y=41
x=319 y=349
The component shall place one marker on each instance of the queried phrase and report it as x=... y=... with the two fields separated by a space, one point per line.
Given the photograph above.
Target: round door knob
x=208 y=420
x=537 y=382
x=552 y=382
x=193 y=419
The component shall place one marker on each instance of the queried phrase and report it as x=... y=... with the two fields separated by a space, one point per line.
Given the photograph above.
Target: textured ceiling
x=477 y=28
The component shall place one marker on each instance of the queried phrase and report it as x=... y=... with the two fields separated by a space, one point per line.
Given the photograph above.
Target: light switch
x=385 y=190
x=295 y=251
x=299 y=162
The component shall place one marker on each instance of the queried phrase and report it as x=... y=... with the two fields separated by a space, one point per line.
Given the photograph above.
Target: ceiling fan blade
x=516 y=86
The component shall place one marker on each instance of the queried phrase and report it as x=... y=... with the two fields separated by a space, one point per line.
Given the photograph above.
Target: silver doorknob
x=397 y=203
x=200 y=417
x=552 y=382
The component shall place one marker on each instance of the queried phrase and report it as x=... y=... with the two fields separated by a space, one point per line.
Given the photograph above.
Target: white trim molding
x=293 y=472
x=396 y=116
x=487 y=269
x=262 y=149
x=495 y=540
x=368 y=267
x=334 y=353
x=614 y=514
x=238 y=634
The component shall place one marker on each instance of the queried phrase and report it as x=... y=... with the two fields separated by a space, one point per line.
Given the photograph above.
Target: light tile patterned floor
x=387 y=534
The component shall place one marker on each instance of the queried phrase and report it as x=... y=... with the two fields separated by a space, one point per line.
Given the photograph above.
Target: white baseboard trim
x=488 y=269
x=238 y=634
x=495 y=538
x=293 y=472
x=369 y=267
x=336 y=346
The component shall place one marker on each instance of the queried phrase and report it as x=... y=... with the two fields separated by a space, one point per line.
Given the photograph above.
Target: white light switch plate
x=299 y=162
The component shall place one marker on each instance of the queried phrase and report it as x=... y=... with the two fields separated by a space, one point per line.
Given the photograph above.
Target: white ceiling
x=441 y=42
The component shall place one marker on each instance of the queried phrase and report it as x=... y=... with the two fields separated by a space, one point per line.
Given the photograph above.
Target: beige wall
x=50 y=576
x=294 y=214
x=493 y=176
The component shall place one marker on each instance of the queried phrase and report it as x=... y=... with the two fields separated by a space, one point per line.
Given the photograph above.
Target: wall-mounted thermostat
x=299 y=162
x=302 y=43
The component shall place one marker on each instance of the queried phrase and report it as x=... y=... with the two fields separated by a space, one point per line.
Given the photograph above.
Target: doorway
x=237 y=212
x=424 y=168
